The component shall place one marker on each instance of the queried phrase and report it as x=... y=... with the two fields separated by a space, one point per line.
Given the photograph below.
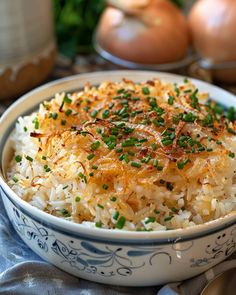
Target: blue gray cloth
x=22 y=272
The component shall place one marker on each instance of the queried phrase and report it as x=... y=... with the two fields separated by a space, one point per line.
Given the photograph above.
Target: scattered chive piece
x=77 y=199
x=209 y=150
x=157 y=211
x=29 y=158
x=231 y=155
x=91 y=174
x=166 y=141
x=63 y=122
x=153 y=146
x=116 y=215
x=185 y=80
x=65 y=213
x=131 y=153
x=173 y=209
x=113 y=199
x=65 y=187
x=136 y=164
x=25 y=129
x=18 y=158
x=100 y=206
x=180 y=165
x=218 y=142
x=95 y=167
x=98 y=224
x=168 y=218
x=145 y=90
x=90 y=156
x=44 y=157
x=54 y=116
x=105 y=186
x=121 y=222
x=120 y=150
x=15 y=179
x=95 y=145
x=67 y=99
x=94 y=113
x=171 y=100
x=150 y=220
x=68 y=112
x=105 y=114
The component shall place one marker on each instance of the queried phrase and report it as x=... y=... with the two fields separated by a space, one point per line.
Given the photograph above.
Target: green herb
x=171 y=100
x=63 y=122
x=68 y=112
x=83 y=177
x=230 y=130
x=91 y=174
x=65 y=187
x=116 y=215
x=113 y=199
x=173 y=209
x=65 y=213
x=168 y=218
x=94 y=113
x=105 y=114
x=25 y=129
x=120 y=150
x=95 y=167
x=231 y=155
x=15 y=179
x=105 y=186
x=98 y=224
x=44 y=157
x=100 y=206
x=90 y=156
x=135 y=164
x=67 y=99
x=153 y=146
x=145 y=90
x=121 y=222
x=95 y=145
x=18 y=158
x=189 y=117
x=157 y=211
x=29 y=158
x=77 y=199
x=166 y=141
x=150 y=220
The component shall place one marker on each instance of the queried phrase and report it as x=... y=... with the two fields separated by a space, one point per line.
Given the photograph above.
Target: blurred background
x=50 y=39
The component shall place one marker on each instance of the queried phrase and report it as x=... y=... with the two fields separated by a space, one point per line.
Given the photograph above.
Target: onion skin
x=212 y=26
x=157 y=34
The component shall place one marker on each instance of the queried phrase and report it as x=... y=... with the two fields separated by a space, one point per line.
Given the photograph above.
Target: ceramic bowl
x=113 y=256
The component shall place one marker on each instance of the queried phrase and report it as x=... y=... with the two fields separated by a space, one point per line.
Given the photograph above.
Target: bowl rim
x=161 y=237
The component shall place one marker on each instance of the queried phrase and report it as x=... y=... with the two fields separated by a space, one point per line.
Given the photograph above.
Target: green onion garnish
x=121 y=222
x=18 y=158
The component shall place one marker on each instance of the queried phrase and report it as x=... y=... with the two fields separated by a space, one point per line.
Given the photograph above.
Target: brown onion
x=156 y=33
x=212 y=26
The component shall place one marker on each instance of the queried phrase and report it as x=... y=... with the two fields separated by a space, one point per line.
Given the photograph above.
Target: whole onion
x=213 y=29
x=156 y=33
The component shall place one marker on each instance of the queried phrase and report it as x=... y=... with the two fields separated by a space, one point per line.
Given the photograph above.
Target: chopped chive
x=98 y=224
x=153 y=146
x=67 y=99
x=94 y=113
x=99 y=130
x=155 y=162
x=95 y=167
x=68 y=112
x=173 y=209
x=145 y=90
x=91 y=174
x=25 y=129
x=136 y=164
x=29 y=158
x=159 y=168
x=171 y=100
x=209 y=150
x=131 y=153
x=77 y=199
x=150 y=220
x=121 y=222
x=105 y=186
x=116 y=215
x=180 y=165
x=63 y=122
x=218 y=142
x=15 y=179
x=65 y=187
x=168 y=218
x=166 y=141
x=54 y=116
x=44 y=157
x=18 y=158
x=120 y=150
x=65 y=213
x=95 y=145
x=157 y=211
x=90 y=156
x=100 y=206
x=231 y=155
x=105 y=114
x=113 y=199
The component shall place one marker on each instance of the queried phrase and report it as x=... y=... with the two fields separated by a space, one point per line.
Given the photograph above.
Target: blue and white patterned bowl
x=113 y=256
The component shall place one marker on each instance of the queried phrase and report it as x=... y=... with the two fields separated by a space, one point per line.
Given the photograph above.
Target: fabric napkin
x=24 y=273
